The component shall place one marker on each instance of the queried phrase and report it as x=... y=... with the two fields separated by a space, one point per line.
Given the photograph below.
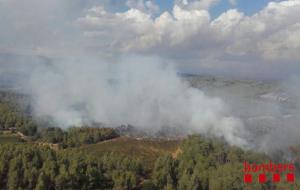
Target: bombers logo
x=279 y=172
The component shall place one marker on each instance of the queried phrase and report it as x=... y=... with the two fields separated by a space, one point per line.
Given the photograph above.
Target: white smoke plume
x=139 y=91
x=73 y=88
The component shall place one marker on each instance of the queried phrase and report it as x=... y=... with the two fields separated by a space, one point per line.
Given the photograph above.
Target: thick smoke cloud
x=286 y=118
x=270 y=110
x=89 y=76
x=137 y=91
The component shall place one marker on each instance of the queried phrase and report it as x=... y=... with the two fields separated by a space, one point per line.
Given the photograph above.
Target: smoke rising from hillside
x=139 y=91
x=270 y=110
x=74 y=89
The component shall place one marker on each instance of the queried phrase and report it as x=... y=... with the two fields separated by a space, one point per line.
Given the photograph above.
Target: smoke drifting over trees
x=137 y=91
x=75 y=59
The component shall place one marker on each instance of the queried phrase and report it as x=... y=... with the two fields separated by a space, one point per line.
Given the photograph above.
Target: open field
x=9 y=138
x=147 y=150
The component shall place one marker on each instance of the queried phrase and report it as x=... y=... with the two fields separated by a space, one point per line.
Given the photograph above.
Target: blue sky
x=249 y=7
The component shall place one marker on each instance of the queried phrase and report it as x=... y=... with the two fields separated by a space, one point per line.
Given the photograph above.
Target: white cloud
x=225 y=23
x=141 y=32
x=195 y=4
x=188 y=32
x=254 y=31
x=233 y=2
x=187 y=35
x=284 y=44
x=148 y=6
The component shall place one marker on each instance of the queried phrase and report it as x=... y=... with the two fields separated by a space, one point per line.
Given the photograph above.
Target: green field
x=9 y=138
x=146 y=150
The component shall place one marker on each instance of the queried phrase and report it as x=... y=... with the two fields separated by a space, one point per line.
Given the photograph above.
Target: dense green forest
x=202 y=164
x=35 y=167
x=196 y=163
x=75 y=136
x=15 y=113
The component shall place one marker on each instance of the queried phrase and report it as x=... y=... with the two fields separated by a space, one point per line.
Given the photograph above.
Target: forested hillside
x=201 y=164
x=15 y=113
